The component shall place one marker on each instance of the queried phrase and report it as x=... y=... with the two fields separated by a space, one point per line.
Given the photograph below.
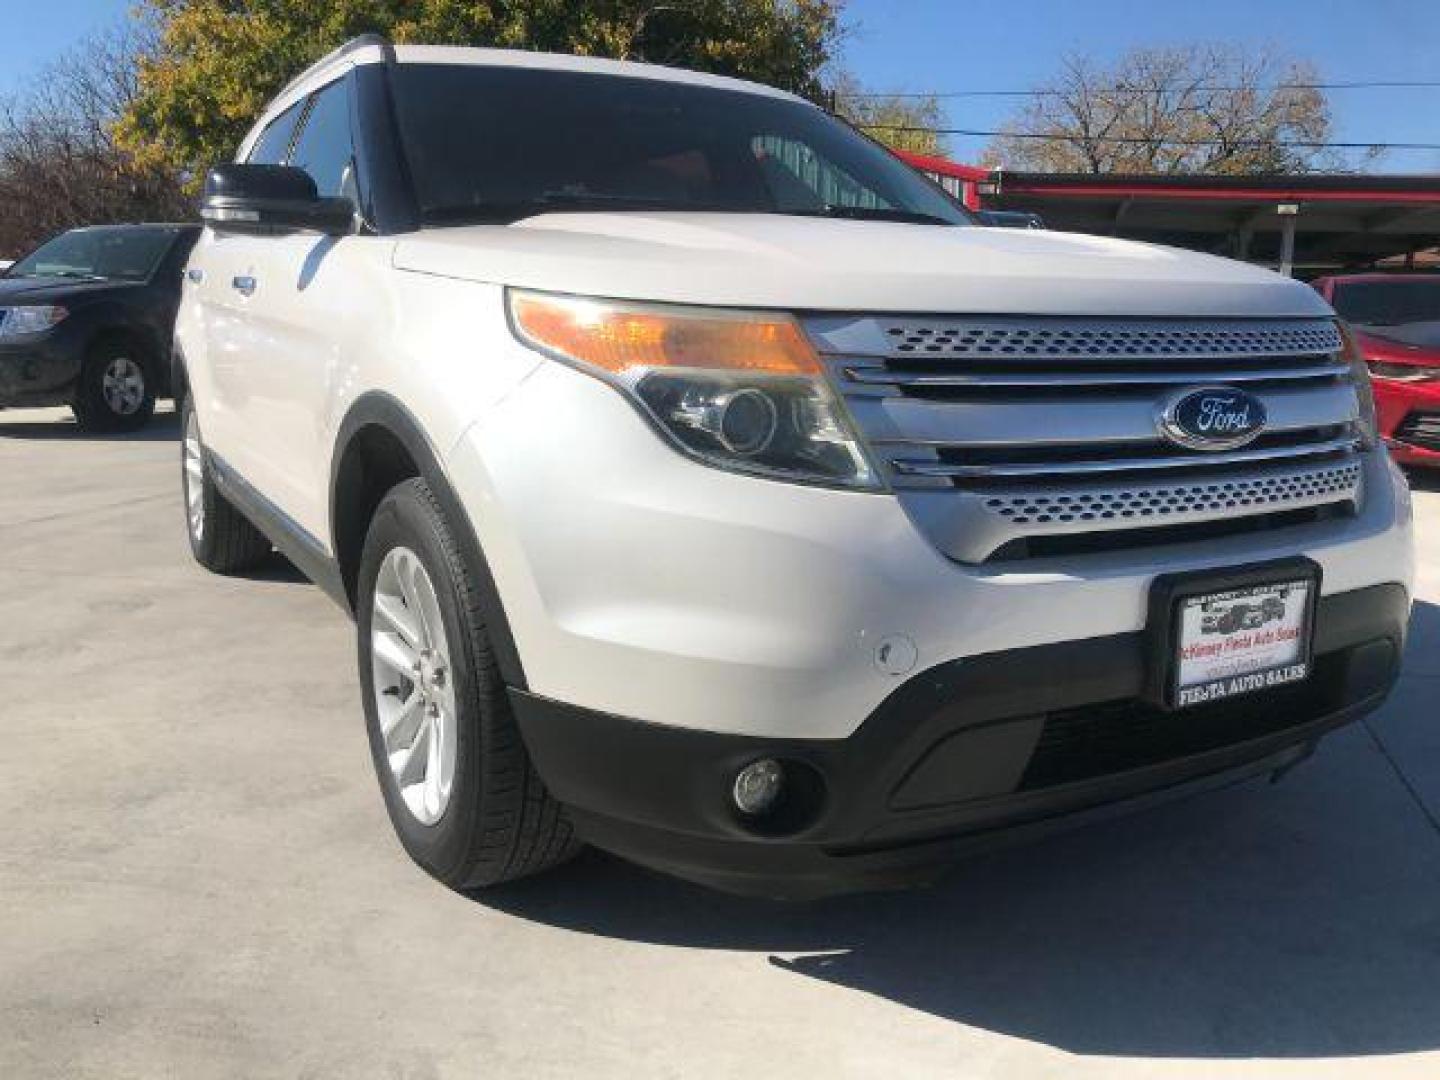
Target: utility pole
x=1288 y=213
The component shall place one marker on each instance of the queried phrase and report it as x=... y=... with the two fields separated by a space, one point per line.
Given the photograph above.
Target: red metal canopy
x=1336 y=221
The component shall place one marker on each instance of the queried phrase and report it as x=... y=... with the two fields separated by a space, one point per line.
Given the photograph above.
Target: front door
x=278 y=308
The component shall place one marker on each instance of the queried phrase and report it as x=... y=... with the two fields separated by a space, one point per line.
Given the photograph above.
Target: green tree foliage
x=217 y=62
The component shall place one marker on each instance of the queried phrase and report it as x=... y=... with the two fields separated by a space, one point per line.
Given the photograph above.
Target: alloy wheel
x=413 y=685
x=123 y=386
x=194 y=479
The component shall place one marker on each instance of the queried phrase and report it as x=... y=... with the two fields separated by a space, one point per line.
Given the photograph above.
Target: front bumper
x=968 y=754
x=38 y=373
x=1398 y=405
x=640 y=584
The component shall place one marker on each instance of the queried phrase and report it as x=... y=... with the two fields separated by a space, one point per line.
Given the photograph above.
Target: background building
x=1305 y=224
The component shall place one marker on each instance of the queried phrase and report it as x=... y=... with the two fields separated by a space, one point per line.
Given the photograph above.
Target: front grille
x=1137 y=503
x=1063 y=339
x=1420 y=429
x=1061 y=545
x=997 y=430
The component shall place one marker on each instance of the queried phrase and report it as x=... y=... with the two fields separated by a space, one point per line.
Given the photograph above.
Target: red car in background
x=1396 y=321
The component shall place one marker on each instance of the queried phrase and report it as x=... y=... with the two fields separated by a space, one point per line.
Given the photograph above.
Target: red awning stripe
x=1257 y=194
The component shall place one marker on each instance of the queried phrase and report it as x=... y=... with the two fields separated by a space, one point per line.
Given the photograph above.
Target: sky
x=937 y=45
x=933 y=45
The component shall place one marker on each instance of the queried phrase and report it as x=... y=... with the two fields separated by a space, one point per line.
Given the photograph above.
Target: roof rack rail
x=363 y=41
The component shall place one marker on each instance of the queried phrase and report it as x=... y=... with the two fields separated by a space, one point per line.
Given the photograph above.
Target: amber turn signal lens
x=1368 y=419
x=618 y=339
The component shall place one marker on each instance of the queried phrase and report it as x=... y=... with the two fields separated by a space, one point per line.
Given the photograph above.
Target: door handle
x=244 y=284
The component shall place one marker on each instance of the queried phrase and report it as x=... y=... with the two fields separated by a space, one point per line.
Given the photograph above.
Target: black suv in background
x=86 y=321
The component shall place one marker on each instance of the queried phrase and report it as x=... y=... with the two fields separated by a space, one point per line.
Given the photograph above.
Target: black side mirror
x=270 y=199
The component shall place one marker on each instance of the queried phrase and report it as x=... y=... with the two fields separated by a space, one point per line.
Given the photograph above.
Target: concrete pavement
x=197 y=878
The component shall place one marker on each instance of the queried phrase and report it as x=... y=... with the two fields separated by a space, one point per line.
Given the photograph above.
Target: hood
x=821 y=264
x=56 y=290
x=1409 y=343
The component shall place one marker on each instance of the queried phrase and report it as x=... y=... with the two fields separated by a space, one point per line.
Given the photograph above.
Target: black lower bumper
x=968 y=754
x=36 y=375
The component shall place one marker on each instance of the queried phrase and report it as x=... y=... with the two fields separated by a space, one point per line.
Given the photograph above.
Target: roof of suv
x=371 y=50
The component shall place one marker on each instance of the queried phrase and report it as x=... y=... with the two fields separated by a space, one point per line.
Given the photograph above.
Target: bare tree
x=1197 y=109
x=902 y=122
x=59 y=164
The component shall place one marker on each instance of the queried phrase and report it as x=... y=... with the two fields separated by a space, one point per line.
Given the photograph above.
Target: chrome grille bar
x=1110 y=423
x=908 y=467
x=1016 y=380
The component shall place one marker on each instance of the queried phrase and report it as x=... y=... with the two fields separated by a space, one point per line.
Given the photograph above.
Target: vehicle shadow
x=1289 y=921
x=1422 y=648
x=165 y=427
x=275 y=568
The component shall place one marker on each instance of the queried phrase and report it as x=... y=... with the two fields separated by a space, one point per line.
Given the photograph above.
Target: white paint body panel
x=769 y=261
x=637 y=581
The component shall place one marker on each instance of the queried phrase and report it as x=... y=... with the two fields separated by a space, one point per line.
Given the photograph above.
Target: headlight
x=739 y=390
x=1369 y=423
x=30 y=320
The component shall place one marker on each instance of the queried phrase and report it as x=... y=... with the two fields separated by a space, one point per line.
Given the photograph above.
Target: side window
x=270 y=148
x=325 y=149
x=800 y=179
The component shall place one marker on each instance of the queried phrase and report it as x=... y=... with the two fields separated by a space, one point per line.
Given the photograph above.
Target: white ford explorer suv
x=708 y=488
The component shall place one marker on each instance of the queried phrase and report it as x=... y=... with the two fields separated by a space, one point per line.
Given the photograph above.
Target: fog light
x=758 y=786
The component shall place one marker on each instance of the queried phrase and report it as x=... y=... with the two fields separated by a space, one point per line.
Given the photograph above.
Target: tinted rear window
x=1389 y=303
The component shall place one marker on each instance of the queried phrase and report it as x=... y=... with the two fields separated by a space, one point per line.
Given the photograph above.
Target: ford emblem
x=1213 y=418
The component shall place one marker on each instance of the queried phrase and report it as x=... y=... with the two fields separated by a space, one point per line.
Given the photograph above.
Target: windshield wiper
x=869 y=213
x=69 y=275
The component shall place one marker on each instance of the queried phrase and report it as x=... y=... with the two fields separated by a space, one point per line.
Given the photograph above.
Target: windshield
x=494 y=143
x=122 y=254
x=1389 y=303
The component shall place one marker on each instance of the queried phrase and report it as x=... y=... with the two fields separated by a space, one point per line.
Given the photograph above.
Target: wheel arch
x=179 y=374
x=380 y=444
x=145 y=338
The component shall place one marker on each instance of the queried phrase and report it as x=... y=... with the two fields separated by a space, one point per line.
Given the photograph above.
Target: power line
x=1296 y=144
x=1368 y=84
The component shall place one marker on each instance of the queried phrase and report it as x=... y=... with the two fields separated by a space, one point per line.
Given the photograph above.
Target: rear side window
x=270 y=148
x=1388 y=303
x=325 y=149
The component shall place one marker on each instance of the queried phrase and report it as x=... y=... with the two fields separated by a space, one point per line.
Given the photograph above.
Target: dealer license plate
x=1241 y=640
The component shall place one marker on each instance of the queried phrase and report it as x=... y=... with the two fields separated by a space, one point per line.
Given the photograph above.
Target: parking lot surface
x=197 y=878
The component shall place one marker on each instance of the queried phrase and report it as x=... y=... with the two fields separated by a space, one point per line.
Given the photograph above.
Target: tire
x=492 y=821
x=221 y=538
x=116 y=388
